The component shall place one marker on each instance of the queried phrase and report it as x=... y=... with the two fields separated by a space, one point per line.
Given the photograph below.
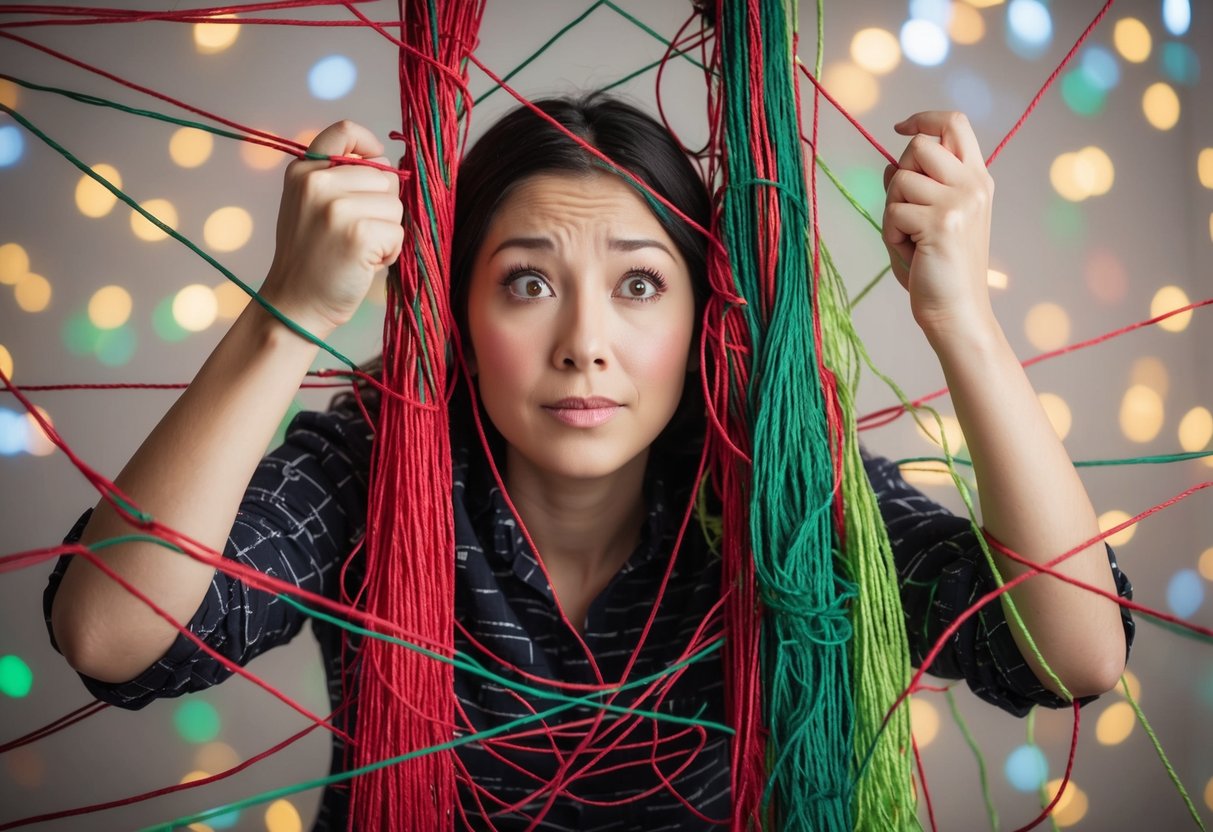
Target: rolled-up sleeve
x=942 y=572
x=302 y=514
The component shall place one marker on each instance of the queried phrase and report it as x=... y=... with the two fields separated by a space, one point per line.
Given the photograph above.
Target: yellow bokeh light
x=924 y=721
x=195 y=307
x=9 y=94
x=33 y=292
x=1204 y=167
x=231 y=300
x=1065 y=180
x=260 y=157
x=1209 y=793
x=210 y=38
x=1204 y=564
x=929 y=431
x=14 y=263
x=1115 y=723
x=109 y=307
x=162 y=210
x=194 y=776
x=1166 y=299
x=1141 y=413
x=199 y=827
x=1161 y=106
x=282 y=816
x=6 y=362
x=966 y=26
x=228 y=228
x=216 y=756
x=92 y=198
x=39 y=443
x=1132 y=40
x=1151 y=372
x=996 y=279
x=1133 y=683
x=1095 y=170
x=876 y=50
x=1047 y=326
x=1112 y=519
x=855 y=88
x=1196 y=429
x=25 y=766
x=1071 y=807
x=1058 y=411
x=190 y=147
x=984 y=4
x=924 y=474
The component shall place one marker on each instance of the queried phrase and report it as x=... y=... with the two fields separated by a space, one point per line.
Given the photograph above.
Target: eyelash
x=652 y=275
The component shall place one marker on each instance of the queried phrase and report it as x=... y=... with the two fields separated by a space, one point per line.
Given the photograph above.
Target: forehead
x=591 y=202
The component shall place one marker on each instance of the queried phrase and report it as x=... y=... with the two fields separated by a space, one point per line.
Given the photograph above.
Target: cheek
x=665 y=353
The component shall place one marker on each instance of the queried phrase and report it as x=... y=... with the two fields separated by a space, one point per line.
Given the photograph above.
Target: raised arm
x=336 y=227
x=937 y=230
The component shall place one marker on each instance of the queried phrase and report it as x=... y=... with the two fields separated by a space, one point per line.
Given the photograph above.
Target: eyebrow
x=545 y=244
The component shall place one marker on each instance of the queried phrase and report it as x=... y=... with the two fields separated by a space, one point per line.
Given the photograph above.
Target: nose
x=581 y=338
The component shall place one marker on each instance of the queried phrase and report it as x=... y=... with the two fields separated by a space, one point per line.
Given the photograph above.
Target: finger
x=951 y=128
x=357 y=179
x=346 y=138
x=905 y=222
x=915 y=188
x=357 y=207
x=932 y=159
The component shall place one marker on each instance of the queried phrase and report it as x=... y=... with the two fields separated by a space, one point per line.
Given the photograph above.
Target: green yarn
x=971 y=741
x=1162 y=755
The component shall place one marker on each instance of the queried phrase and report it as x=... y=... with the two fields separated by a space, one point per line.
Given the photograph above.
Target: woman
x=578 y=307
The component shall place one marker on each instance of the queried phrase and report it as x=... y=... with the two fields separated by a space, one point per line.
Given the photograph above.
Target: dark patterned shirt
x=305 y=510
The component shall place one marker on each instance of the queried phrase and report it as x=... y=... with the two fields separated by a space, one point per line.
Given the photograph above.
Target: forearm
x=189 y=474
x=1034 y=503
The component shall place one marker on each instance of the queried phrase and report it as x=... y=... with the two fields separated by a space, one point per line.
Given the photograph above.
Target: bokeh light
x=1099 y=66
x=216 y=757
x=1166 y=299
x=195 y=307
x=866 y=185
x=1152 y=372
x=1204 y=564
x=1176 y=16
x=924 y=721
x=996 y=279
x=1029 y=27
x=282 y=816
x=1058 y=411
x=260 y=157
x=6 y=362
x=14 y=432
x=1064 y=222
x=162 y=210
x=923 y=42
x=79 y=335
x=1204 y=171
x=1141 y=413
x=1110 y=520
x=37 y=442
x=1047 y=326
x=10 y=93
x=1085 y=173
x=854 y=88
x=1105 y=276
x=12 y=145
x=876 y=50
x=1071 y=807
x=929 y=430
x=1180 y=63
x=109 y=307
x=116 y=347
x=14 y=262
x=225 y=821
x=966 y=26
x=230 y=300
x=164 y=324
x=210 y=38
x=1161 y=106
x=33 y=292
x=970 y=93
x=25 y=766
x=190 y=147
x=1209 y=793
x=1026 y=768
x=1196 y=429
x=1130 y=679
x=1115 y=723
x=1185 y=592
x=1132 y=40
x=196 y=720
x=1081 y=94
x=332 y=77
x=16 y=678
x=228 y=228
x=94 y=199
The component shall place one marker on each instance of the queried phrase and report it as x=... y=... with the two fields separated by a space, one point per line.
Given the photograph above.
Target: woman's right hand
x=337 y=226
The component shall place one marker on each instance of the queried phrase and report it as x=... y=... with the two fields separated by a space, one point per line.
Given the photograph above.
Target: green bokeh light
x=197 y=721
x=867 y=186
x=80 y=335
x=1180 y=63
x=164 y=324
x=1082 y=96
x=1065 y=222
x=225 y=821
x=116 y=347
x=16 y=678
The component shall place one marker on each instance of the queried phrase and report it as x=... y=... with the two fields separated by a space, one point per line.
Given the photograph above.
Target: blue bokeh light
x=1099 y=66
x=1180 y=63
x=923 y=42
x=12 y=145
x=938 y=12
x=971 y=94
x=1029 y=28
x=1185 y=592
x=332 y=77
x=14 y=432
x=1176 y=16
x=1027 y=768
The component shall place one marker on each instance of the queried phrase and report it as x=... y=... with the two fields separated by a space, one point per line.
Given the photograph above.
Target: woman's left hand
x=937 y=222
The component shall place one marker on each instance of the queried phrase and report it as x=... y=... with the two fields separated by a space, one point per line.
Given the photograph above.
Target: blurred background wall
x=1104 y=217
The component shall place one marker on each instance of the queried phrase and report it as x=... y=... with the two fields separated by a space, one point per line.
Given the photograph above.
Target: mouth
x=584 y=413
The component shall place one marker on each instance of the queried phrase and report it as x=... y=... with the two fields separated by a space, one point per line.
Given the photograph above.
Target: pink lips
x=584 y=413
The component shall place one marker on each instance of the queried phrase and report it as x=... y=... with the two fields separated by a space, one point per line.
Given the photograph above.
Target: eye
x=641 y=286
x=528 y=286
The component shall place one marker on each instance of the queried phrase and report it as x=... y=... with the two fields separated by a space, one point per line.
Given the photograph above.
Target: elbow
x=84 y=649
x=1100 y=675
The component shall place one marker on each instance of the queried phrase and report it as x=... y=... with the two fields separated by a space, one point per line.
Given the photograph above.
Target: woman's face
x=581 y=314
